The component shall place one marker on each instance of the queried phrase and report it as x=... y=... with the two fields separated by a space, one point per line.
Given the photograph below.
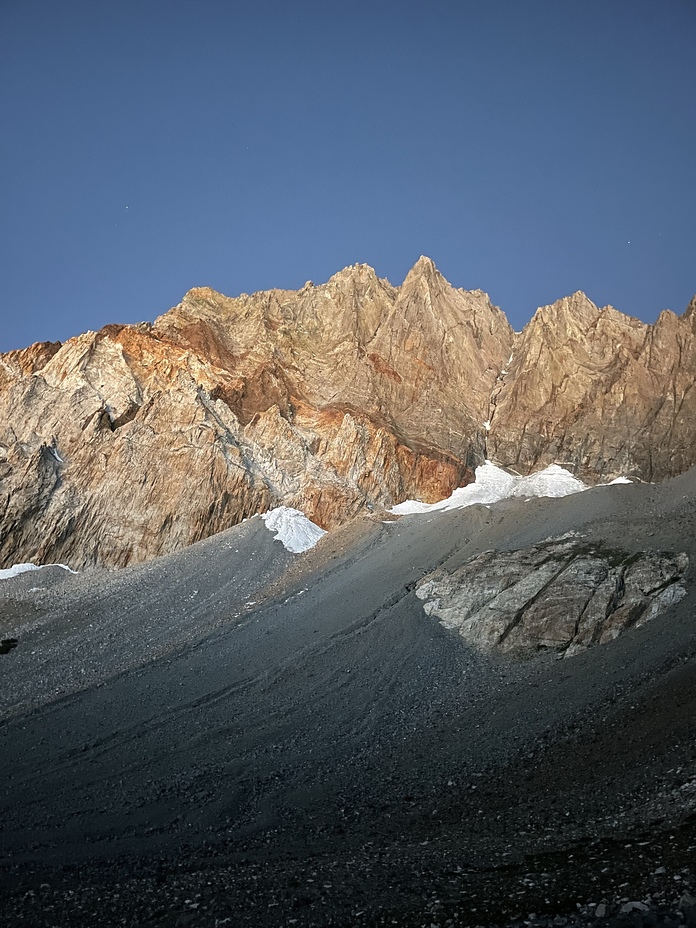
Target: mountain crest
x=690 y=313
x=336 y=399
x=424 y=268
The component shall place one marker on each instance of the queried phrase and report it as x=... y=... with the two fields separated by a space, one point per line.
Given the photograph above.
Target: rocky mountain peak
x=575 y=310
x=424 y=270
x=200 y=294
x=690 y=313
x=354 y=274
x=424 y=265
x=335 y=399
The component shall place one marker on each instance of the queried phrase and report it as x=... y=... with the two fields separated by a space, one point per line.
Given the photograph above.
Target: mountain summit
x=335 y=399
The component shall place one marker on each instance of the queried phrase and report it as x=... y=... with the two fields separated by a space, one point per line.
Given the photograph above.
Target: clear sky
x=530 y=147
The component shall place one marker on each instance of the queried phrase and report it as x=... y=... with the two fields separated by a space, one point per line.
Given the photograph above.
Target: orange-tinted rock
x=600 y=393
x=336 y=399
x=131 y=442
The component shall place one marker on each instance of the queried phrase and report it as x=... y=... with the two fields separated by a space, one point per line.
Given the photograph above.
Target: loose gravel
x=238 y=736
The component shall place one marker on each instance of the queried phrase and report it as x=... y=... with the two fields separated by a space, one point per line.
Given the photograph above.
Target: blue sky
x=531 y=148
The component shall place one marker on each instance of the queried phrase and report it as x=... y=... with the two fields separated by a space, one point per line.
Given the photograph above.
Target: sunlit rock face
x=336 y=400
x=599 y=392
x=131 y=442
x=557 y=596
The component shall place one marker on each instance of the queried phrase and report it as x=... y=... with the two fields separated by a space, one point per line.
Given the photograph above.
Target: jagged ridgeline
x=336 y=399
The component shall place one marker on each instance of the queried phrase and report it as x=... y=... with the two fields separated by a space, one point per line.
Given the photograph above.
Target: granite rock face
x=134 y=441
x=599 y=392
x=562 y=595
x=337 y=399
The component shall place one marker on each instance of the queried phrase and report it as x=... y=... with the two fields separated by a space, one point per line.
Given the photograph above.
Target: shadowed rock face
x=561 y=596
x=134 y=441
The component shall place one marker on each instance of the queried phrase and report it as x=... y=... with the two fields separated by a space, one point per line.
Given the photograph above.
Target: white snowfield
x=293 y=528
x=493 y=484
x=18 y=569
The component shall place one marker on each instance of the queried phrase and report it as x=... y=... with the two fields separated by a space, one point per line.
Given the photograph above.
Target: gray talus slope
x=305 y=715
x=74 y=631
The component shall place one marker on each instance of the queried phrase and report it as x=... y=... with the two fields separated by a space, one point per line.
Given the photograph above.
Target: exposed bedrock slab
x=561 y=595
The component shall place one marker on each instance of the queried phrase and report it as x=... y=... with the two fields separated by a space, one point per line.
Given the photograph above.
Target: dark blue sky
x=530 y=147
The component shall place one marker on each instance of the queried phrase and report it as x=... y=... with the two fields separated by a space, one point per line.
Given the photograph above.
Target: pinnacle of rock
x=690 y=311
x=424 y=267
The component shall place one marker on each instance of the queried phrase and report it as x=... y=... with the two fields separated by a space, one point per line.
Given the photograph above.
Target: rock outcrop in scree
x=134 y=441
x=562 y=595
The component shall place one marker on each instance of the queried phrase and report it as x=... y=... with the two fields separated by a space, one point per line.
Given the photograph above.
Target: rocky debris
x=321 y=893
x=7 y=644
x=322 y=756
x=563 y=595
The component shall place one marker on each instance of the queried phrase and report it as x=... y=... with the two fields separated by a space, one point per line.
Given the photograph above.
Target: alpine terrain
x=350 y=606
x=337 y=400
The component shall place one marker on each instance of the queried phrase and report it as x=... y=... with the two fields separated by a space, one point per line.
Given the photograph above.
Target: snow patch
x=553 y=481
x=493 y=484
x=293 y=528
x=18 y=569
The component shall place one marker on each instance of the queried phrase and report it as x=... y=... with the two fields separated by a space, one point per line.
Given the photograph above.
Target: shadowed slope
x=332 y=754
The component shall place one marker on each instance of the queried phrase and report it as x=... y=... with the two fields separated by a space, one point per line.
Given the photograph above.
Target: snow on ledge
x=18 y=569
x=493 y=484
x=293 y=529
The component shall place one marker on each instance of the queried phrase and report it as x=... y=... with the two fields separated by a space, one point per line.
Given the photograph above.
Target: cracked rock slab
x=561 y=595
